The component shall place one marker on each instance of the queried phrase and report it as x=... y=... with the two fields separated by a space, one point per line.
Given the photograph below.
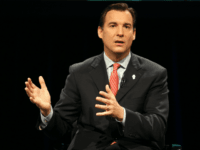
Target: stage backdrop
x=45 y=38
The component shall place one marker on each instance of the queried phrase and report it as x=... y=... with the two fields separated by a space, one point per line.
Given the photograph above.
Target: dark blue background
x=45 y=38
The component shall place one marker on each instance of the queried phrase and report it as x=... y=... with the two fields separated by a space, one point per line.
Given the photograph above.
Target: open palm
x=40 y=97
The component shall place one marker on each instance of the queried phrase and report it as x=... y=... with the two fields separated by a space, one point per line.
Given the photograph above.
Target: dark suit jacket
x=145 y=99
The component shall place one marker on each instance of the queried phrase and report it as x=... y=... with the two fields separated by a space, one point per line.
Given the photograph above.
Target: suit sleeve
x=151 y=125
x=46 y=119
x=66 y=111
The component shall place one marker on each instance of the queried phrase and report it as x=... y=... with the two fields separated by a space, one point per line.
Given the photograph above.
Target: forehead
x=118 y=16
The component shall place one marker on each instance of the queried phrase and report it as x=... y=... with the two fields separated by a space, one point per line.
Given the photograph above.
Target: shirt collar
x=124 y=62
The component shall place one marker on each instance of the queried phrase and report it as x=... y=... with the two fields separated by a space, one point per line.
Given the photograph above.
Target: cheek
x=108 y=41
x=108 y=37
x=130 y=40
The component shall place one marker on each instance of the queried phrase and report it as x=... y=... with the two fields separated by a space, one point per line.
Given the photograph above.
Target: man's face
x=121 y=29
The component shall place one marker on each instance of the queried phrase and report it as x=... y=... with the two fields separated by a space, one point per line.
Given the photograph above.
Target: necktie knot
x=115 y=66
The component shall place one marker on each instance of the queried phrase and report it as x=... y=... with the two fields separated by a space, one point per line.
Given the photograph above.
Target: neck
x=116 y=57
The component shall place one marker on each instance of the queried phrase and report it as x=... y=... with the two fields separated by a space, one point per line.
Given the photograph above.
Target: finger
x=103 y=100
x=28 y=86
x=42 y=82
x=32 y=100
x=105 y=113
x=104 y=94
x=103 y=107
x=108 y=89
x=31 y=83
x=28 y=92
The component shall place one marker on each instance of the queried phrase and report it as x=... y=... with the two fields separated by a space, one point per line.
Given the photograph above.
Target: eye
x=125 y=26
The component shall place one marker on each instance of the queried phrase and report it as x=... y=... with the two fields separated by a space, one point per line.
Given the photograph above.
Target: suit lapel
x=100 y=77
x=99 y=73
x=133 y=69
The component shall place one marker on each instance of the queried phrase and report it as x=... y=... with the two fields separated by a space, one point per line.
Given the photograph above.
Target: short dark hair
x=119 y=7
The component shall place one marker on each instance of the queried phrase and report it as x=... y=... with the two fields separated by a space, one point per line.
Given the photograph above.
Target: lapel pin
x=133 y=76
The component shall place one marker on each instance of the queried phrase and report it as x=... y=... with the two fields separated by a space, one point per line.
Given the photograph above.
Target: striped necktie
x=114 y=79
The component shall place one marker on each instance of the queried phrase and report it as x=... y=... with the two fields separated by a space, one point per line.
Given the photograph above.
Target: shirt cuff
x=46 y=119
x=124 y=118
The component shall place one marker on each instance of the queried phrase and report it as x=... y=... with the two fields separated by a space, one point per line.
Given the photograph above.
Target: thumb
x=42 y=82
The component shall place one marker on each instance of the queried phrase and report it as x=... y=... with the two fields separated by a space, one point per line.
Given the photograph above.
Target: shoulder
x=149 y=65
x=83 y=66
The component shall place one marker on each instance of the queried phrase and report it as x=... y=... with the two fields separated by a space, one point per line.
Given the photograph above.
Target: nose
x=120 y=31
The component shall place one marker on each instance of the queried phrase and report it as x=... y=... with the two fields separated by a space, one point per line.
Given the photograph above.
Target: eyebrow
x=116 y=23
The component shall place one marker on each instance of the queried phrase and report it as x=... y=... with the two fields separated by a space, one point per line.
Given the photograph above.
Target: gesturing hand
x=113 y=108
x=40 y=97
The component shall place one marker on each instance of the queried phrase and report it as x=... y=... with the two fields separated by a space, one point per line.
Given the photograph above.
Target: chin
x=119 y=51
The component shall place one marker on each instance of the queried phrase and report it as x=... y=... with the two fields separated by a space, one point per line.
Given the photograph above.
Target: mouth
x=119 y=43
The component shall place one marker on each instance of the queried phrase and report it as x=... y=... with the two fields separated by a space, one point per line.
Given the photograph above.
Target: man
x=119 y=99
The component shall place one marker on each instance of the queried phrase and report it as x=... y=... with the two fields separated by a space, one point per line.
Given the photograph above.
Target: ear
x=134 y=34
x=99 y=32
